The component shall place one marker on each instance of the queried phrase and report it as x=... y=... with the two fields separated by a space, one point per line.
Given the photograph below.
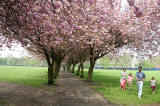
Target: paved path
x=69 y=92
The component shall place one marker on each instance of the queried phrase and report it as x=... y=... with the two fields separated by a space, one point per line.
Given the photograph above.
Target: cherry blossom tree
x=30 y=23
x=99 y=29
x=53 y=28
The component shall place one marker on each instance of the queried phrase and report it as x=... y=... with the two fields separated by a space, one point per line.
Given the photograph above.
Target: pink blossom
x=34 y=23
x=56 y=5
x=30 y=1
x=21 y=18
x=138 y=12
x=131 y=2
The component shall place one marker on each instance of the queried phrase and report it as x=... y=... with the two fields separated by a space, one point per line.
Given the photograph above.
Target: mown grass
x=109 y=86
x=108 y=83
x=33 y=76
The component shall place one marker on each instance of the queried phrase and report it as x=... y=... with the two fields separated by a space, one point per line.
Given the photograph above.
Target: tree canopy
x=55 y=29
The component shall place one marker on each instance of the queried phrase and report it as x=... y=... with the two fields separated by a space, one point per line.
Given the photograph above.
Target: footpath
x=70 y=91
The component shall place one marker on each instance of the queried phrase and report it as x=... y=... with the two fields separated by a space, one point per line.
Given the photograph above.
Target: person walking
x=64 y=68
x=140 y=76
x=129 y=81
x=153 y=84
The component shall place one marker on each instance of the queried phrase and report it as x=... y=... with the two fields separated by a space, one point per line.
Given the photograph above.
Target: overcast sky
x=16 y=51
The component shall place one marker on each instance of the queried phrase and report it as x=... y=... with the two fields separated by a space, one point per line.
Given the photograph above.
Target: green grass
x=2 y=101
x=33 y=76
x=109 y=86
x=107 y=83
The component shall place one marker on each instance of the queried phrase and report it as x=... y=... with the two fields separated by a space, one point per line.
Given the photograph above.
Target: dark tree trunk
x=55 y=70
x=78 y=71
x=92 y=63
x=82 y=70
x=50 y=66
x=73 y=67
x=68 y=67
x=50 y=75
x=64 y=68
x=90 y=71
x=58 y=67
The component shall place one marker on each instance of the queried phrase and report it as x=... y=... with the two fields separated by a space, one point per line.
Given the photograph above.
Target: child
x=153 y=84
x=129 y=81
x=123 y=84
x=123 y=79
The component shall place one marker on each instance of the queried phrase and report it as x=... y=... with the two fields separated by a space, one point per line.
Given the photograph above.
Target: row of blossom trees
x=77 y=30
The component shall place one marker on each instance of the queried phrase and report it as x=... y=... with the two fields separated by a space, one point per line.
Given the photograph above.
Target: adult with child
x=123 y=79
x=140 y=76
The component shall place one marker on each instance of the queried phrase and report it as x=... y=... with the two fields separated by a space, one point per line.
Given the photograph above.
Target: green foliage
x=117 y=61
x=3 y=61
x=24 y=61
x=86 y=64
x=108 y=84
x=33 y=76
x=151 y=63
x=105 y=62
x=147 y=64
x=125 y=61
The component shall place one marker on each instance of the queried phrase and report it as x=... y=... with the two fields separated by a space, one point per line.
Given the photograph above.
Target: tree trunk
x=68 y=67
x=92 y=63
x=58 y=67
x=50 y=66
x=73 y=68
x=50 y=75
x=82 y=70
x=90 y=71
x=55 y=70
x=79 y=67
x=64 y=68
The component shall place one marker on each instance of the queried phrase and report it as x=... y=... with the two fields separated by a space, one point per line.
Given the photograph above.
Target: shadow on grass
x=35 y=82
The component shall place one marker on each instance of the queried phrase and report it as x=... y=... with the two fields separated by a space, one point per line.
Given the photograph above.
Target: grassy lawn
x=33 y=76
x=108 y=83
x=109 y=86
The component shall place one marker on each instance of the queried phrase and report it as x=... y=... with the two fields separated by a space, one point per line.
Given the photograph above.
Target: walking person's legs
x=153 y=89
x=129 y=86
x=140 y=87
